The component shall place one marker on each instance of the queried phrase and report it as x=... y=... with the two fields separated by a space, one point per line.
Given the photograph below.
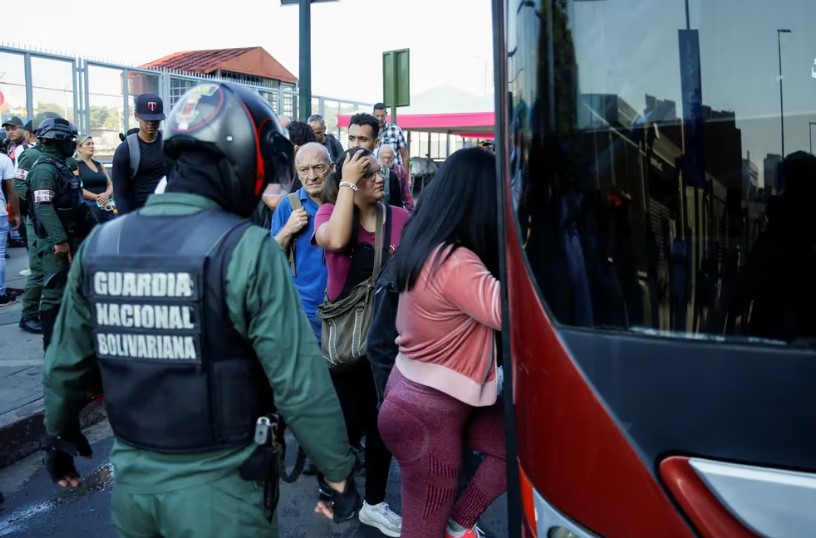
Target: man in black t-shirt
x=133 y=183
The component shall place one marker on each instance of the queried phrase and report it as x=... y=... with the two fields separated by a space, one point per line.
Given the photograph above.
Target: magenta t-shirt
x=339 y=263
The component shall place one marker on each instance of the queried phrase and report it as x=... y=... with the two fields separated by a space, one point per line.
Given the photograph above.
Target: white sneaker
x=381 y=517
x=475 y=532
x=25 y=272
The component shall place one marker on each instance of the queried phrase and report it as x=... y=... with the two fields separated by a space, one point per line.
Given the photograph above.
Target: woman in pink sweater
x=442 y=394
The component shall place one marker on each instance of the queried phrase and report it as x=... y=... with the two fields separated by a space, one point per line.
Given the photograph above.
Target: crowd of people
x=371 y=320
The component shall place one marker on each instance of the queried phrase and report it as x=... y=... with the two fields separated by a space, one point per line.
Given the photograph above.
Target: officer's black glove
x=343 y=505
x=60 y=452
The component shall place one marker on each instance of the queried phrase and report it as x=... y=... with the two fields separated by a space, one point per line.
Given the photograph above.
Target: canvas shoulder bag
x=346 y=321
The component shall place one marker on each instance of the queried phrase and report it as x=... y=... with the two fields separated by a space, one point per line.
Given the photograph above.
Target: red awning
x=480 y=136
x=463 y=123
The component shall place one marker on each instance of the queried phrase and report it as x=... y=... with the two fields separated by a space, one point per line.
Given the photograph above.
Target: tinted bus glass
x=647 y=167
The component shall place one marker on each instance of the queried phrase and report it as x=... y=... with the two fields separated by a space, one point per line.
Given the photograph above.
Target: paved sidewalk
x=15 y=282
x=21 y=353
x=21 y=364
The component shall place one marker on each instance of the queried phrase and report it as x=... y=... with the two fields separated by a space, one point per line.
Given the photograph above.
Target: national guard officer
x=61 y=218
x=188 y=312
x=30 y=318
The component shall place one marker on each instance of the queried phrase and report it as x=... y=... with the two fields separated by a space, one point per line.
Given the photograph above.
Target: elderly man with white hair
x=387 y=158
x=293 y=227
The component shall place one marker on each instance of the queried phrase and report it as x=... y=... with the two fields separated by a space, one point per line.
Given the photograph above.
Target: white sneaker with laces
x=475 y=532
x=25 y=272
x=381 y=517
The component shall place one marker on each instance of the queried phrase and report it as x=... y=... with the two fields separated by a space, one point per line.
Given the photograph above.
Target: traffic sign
x=397 y=77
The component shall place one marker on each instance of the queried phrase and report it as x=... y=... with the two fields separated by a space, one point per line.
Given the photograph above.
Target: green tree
x=114 y=121
x=107 y=118
x=99 y=115
x=50 y=107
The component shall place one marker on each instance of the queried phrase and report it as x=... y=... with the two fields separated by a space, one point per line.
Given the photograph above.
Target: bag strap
x=295 y=201
x=387 y=242
x=135 y=153
x=383 y=214
x=378 y=240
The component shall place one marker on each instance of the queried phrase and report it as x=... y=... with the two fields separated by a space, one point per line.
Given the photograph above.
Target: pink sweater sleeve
x=468 y=285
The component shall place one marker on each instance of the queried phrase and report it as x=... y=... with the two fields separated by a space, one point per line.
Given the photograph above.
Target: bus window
x=661 y=164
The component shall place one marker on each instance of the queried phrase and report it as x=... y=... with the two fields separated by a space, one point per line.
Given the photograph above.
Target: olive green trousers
x=230 y=507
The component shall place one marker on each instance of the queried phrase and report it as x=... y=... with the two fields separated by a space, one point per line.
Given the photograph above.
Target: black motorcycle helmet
x=56 y=129
x=58 y=133
x=39 y=118
x=239 y=127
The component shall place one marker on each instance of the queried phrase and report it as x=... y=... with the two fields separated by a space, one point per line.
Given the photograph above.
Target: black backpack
x=262 y=216
x=381 y=349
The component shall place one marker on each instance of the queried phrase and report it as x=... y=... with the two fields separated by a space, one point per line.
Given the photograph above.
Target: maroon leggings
x=426 y=431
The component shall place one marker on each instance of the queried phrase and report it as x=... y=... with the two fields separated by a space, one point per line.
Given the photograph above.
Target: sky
x=625 y=47
x=348 y=37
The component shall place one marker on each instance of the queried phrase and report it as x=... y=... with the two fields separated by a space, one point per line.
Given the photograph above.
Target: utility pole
x=305 y=64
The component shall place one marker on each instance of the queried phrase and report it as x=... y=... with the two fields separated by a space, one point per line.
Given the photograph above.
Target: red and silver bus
x=659 y=200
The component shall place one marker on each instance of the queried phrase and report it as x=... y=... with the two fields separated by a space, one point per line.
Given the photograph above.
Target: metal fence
x=99 y=97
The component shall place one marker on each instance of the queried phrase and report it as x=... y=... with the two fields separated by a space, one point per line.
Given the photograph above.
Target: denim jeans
x=4 y=230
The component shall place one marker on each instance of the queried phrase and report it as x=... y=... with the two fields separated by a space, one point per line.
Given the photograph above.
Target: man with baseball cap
x=138 y=163
x=29 y=139
x=15 y=135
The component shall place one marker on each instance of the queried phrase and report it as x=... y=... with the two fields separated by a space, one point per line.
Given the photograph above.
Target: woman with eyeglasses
x=345 y=227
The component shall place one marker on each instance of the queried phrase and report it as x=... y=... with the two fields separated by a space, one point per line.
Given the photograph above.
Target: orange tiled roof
x=248 y=60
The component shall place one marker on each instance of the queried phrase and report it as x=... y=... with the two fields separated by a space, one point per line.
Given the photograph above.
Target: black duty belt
x=266 y=463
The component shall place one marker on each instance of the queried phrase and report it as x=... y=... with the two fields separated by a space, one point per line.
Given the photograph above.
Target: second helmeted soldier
x=60 y=217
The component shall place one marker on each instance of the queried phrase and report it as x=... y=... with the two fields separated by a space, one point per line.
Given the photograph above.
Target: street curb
x=21 y=438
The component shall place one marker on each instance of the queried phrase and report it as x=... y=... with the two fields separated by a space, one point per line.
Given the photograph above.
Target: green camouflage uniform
x=33 y=289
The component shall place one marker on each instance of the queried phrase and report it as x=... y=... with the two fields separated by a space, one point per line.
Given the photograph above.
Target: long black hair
x=458 y=208
x=332 y=185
